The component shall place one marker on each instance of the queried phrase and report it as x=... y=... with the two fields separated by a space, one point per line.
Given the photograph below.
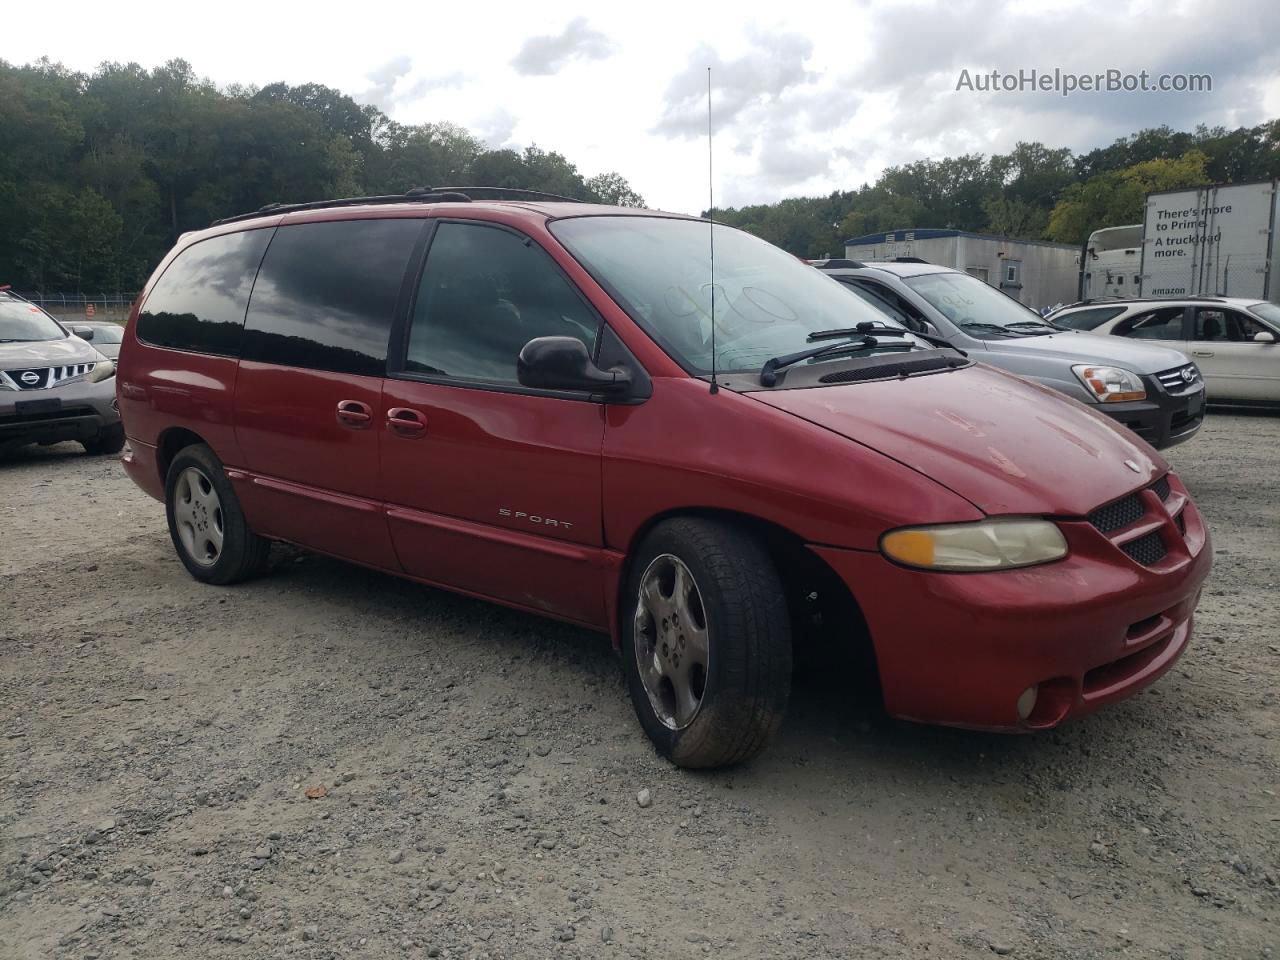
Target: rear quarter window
x=198 y=303
x=326 y=295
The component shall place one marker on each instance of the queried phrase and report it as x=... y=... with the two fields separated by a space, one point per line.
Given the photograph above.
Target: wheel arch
x=168 y=445
x=823 y=610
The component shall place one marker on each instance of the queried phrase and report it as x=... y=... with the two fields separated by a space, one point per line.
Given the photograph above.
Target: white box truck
x=1211 y=241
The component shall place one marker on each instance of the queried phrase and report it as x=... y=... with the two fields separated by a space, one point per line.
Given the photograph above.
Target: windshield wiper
x=1032 y=324
x=865 y=328
x=993 y=327
x=769 y=372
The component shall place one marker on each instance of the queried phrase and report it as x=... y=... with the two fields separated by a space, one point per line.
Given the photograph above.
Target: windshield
x=767 y=302
x=24 y=322
x=976 y=306
x=1267 y=311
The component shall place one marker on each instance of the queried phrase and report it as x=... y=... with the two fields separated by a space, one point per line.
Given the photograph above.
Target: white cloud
x=544 y=55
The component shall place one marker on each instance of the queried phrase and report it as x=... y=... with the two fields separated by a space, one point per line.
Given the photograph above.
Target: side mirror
x=84 y=333
x=1264 y=336
x=562 y=363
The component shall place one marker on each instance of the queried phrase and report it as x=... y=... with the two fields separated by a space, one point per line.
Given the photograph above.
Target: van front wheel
x=206 y=523
x=706 y=642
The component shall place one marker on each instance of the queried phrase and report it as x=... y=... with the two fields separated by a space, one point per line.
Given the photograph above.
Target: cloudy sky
x=808 y=97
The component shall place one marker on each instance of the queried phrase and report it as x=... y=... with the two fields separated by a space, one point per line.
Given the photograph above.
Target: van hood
x=46 y=353
x=1006 y=445
x=1086 y=348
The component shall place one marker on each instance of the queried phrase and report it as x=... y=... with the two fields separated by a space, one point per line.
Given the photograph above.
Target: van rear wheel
x=706 y=642
x=206 y=523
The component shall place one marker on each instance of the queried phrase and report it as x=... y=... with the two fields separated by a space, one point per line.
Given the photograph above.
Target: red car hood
x=1006 y=445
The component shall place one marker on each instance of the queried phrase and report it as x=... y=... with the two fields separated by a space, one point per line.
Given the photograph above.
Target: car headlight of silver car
x=102 y=370
x=1110 y=384
x=984 y=545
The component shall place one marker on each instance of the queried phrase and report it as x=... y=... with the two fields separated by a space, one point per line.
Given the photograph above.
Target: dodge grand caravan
x=552 y=406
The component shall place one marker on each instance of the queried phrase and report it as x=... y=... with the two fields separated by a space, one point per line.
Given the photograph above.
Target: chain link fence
x=73 y=307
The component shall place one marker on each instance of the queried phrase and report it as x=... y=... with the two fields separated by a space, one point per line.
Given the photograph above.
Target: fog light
x=1027 y=702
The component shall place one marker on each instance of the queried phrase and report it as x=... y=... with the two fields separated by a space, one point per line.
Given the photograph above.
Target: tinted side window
x=891 y=303
x=485 y=293
x=198 y=303
x=1087 y=319
x=326 y=294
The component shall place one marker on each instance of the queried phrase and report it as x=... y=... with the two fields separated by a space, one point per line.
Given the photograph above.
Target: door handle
x=406 y=422
x=354 y=414
x=1202 y=353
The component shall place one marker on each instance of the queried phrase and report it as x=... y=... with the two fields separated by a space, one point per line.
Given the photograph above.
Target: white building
x=1035 y=272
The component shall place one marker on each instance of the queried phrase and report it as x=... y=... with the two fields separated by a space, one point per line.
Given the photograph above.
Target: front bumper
x=1163 y=419
x=73 y=411
x=1097 y=626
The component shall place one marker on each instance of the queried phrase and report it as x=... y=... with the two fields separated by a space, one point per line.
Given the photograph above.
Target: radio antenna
x=711 y=229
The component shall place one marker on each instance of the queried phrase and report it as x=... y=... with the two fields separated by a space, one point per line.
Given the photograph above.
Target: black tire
x=747 y=680
x=109 y=440
x=242 y=553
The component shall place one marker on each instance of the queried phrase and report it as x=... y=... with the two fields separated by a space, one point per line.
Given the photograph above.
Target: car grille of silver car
x=42 y=378
x=1179 y=379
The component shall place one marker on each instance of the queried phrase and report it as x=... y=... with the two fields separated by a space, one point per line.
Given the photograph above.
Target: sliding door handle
x=406 y=422
x=354 y=414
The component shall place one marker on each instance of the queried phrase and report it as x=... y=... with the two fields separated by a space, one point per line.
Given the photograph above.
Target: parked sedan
x=1235 y=342
x=1153 y=390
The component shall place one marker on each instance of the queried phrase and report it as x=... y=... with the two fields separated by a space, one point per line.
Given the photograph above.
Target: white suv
x=1234 y=341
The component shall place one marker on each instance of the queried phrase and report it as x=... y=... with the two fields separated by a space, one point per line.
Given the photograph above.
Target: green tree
x=1116 y=198
x=612 y=187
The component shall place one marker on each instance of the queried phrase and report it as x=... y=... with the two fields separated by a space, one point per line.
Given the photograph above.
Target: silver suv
x=53 y=385
x=1152 y=389
x=1234 y=341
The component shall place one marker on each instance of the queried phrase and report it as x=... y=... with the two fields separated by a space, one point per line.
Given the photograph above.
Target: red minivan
x=555 y=406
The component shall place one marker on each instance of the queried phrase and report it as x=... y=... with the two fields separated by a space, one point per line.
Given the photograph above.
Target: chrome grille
x=1179 y=379
x=42 y=378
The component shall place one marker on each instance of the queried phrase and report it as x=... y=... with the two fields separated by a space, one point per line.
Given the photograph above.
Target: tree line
x=1034 y=192
x=101 y=172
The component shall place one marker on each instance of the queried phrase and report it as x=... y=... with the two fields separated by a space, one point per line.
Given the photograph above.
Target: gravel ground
x=482 y=772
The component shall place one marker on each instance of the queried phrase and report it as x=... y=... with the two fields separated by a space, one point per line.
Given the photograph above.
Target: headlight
x=985 y=545
x=101 y=371
x=1110 y=384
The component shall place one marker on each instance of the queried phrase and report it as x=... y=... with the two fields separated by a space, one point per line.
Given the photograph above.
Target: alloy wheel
x=672 y=643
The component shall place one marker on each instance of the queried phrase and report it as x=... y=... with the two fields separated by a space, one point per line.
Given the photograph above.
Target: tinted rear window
x=198 y=304
x=326 y=294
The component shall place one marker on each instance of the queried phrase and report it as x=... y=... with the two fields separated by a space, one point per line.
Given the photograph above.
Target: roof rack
x=838 y=263
x=1207 y=298
x=416 y=195
x=904 y=260
x=516 y=193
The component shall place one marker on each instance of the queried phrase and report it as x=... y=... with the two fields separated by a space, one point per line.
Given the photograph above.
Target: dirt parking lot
x=482 y=768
